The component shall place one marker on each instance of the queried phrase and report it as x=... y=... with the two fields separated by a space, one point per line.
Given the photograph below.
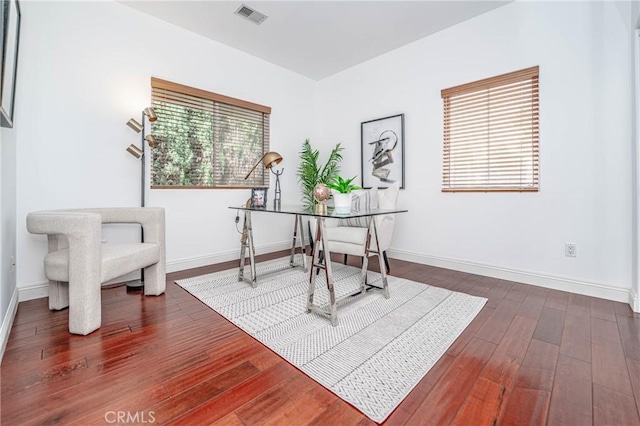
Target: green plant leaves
x=343 y=186
x=310 y=173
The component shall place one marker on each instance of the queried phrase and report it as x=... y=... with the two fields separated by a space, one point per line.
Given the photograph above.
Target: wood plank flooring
x=531 y=357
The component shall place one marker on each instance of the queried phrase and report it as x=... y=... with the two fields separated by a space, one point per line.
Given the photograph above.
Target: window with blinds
x=491 y=134
x=206 y=140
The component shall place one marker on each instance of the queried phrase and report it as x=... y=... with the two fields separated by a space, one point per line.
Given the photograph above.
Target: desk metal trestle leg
x=321 y=243
x=247 y=242
x=298 y=233
x=367 y=252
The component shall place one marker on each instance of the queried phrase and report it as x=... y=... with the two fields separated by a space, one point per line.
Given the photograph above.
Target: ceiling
x=316 y=38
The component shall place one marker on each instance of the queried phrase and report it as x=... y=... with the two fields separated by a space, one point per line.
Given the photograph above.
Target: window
x=206 y=140
x=491 y=134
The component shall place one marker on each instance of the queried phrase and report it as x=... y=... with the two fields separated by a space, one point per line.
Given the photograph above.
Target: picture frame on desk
x=258 y=197
x=10 y=32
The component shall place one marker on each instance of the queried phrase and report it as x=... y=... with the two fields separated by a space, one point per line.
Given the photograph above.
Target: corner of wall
x=633 y=300
x=635 y=108
x=7 y=322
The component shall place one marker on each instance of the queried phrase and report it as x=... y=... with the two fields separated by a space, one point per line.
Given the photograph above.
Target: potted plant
x=310 y=173
x=342 y=194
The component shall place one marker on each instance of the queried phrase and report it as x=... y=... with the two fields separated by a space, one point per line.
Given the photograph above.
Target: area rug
x=381 y=347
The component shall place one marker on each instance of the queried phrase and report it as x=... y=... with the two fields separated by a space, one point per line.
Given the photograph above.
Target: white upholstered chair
x=349 y=236
x=78 y=263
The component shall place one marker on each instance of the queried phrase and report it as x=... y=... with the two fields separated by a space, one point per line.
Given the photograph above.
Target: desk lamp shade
x=269 y=160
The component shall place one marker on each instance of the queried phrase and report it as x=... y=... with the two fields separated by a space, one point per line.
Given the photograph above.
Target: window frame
x=157 y=83
x=526 y=81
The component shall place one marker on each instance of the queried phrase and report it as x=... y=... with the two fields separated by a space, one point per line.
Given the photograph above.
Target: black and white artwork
x=383 y=152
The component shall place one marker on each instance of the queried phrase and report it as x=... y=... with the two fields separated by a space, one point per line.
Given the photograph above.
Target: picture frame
x=258 y=197
x=10 y=33
x=382 y=148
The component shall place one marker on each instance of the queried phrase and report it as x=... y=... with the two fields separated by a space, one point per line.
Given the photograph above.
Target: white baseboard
x=40 y=289
x=7 y=322
x=211 y=259
x=586 y=288
x=633 y=300
x=32 y=291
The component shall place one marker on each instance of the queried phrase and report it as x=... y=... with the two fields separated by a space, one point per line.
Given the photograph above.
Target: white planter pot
x=341 y=202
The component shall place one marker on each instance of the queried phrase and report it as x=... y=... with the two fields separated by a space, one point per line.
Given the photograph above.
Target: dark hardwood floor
x=532 y=356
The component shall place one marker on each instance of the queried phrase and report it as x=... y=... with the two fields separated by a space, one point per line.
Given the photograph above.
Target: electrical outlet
x=570 y=249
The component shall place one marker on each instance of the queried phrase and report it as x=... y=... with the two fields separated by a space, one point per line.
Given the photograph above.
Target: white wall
x=635 y=193
x=8 y=292
x=582 y=49
x=8 y=224
x=94 y=61
x=89 y=71
x=634 y=15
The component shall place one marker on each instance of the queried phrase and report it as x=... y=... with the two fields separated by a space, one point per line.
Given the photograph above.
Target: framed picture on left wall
x=10 y=32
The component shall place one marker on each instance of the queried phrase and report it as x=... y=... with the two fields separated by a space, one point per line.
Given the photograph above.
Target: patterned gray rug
x=379 y=351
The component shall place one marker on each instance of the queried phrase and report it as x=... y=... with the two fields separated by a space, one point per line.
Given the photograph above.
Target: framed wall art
x=10 y=30
x=382 y=152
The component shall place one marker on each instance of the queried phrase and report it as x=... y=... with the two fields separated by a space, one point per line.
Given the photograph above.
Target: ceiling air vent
x=250 y=14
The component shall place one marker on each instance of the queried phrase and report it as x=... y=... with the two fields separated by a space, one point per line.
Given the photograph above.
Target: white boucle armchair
x=78 y=263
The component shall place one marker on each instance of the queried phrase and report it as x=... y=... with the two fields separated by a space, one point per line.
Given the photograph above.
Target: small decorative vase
x=321 y=192
x=341 y=202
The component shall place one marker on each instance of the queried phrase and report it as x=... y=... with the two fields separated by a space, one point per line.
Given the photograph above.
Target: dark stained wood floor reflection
x=532 y=356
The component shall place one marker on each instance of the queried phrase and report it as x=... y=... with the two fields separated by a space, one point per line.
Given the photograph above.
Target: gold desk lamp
x=269 y=160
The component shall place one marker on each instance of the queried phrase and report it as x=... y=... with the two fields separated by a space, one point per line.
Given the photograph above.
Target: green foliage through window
x=205 y=143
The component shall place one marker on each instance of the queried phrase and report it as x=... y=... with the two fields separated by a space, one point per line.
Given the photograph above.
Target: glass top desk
x=246 y=243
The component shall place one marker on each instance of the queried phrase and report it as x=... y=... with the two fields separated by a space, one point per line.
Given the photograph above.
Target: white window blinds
x=207 y=140
x=491 y=134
